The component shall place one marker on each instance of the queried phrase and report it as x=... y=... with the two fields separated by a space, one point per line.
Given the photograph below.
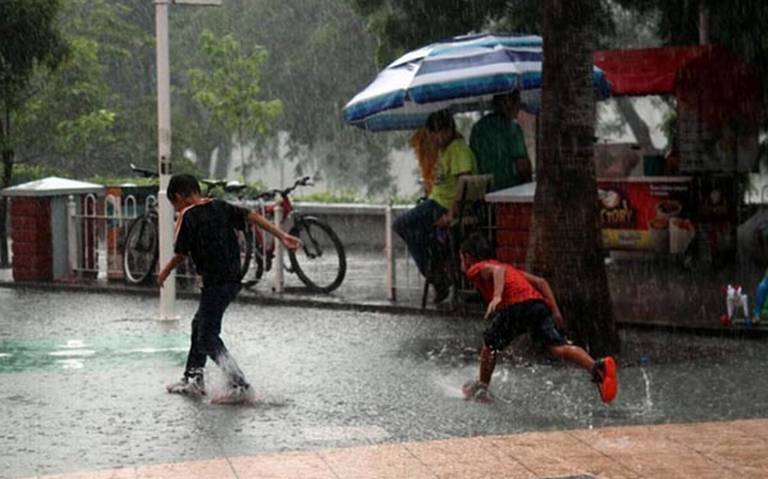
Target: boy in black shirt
x=205 y=231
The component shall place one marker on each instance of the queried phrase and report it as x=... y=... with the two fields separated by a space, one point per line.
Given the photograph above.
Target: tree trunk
x=222 y=163
x=7 y=155
x=567 y=248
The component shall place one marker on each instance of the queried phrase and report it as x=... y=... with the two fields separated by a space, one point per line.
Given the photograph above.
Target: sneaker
x=604 y=375
x=189 y=385
x=236 y=394
x=476 y=391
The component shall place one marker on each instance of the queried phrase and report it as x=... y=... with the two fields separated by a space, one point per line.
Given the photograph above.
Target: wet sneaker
x=239 y=394
x=604 y=375
x=476 y=391
x=189 y=385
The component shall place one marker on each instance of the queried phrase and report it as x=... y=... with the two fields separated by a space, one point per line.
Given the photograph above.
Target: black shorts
x=527 y=317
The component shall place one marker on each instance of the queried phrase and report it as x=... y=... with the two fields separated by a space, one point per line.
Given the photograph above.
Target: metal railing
x=97 y=230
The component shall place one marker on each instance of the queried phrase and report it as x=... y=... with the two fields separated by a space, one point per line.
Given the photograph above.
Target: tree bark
x=7 y=156
x=567 y=248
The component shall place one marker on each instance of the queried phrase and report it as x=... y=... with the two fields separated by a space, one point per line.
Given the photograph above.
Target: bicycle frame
x=265 y=242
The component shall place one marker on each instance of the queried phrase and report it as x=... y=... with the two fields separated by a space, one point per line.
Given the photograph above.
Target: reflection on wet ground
x=82 y=376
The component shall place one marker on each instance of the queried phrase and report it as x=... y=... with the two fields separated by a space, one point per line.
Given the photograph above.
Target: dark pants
x=532 y=317
x=206 y=327
x=416 y=227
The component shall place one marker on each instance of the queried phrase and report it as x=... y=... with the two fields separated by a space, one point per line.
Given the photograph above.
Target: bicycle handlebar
x=144 y=173
x=235 y=186
x=305 y=181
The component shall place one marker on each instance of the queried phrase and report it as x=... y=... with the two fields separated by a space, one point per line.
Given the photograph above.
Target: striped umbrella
x=462 y=73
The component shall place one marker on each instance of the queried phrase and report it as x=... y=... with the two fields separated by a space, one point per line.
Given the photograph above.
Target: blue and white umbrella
x=462 y=73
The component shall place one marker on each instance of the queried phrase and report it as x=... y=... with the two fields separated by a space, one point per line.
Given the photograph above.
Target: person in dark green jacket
x=499 y=145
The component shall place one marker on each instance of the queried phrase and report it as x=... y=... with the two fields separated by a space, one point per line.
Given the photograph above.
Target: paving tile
x=701 y=450
x=304 y=465
x=376 y=462
x=597 y=466
x=468 y=458
x=121 y=473
x=748 y=461
x=615 y=440
x=705 y=437
x=693 y=465
x=213 y=469
x=557 y=454
x=533 y=442
x=754 y=428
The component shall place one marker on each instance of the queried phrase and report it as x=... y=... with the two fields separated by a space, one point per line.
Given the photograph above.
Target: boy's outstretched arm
x=543 y=287
x=496 y=273
x=176 y=260
x=290 y=242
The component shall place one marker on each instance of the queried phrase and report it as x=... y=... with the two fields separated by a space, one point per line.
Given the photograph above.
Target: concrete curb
x=292 y=298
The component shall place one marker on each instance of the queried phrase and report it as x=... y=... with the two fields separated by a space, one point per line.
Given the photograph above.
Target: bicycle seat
x=213 y=183
x=234 y=186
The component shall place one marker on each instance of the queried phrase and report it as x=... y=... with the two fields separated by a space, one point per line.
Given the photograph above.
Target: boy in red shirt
x=519 y=302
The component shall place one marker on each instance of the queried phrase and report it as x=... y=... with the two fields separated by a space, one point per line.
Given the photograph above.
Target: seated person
x=416 y=226
x=499 y=145
x=426 y=155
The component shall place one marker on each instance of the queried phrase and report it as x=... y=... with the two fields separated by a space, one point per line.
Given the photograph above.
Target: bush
x=23 y=173
x=331 y=197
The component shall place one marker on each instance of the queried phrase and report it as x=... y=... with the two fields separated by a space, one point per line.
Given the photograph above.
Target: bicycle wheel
x=245 y=243
x=258 y=262
x=320 y=262
x=140 y=251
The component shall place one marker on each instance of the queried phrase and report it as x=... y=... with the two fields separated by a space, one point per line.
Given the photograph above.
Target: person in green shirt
x=499 y=145
x=416 y=227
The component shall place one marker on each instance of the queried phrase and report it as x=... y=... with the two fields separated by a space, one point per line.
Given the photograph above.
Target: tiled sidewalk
x=719 y=450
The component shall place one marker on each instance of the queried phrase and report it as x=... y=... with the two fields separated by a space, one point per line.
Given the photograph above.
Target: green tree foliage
x=82 y=116
x=403 y=25
x=100 y=113
x=68 y=121
x=230 y=88
x=320 y=55
x=30 y=39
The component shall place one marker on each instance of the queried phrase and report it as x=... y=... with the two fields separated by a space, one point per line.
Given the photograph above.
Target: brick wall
x=31 y=234
x=513 y=224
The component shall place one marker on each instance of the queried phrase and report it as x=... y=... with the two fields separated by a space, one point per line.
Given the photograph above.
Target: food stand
x=693 y=208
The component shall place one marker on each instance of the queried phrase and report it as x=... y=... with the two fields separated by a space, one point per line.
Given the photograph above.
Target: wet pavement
x=720 y=450
x=82 y=380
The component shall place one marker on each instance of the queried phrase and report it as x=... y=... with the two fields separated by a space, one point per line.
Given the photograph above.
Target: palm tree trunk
x=567 y=248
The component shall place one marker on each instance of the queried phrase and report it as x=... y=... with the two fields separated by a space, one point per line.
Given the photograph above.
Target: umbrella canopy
x=462 y=73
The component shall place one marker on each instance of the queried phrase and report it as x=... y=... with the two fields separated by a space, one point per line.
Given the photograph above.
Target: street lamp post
x=165 y=212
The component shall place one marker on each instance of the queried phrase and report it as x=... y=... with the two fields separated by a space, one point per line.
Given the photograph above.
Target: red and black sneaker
x=604 y=375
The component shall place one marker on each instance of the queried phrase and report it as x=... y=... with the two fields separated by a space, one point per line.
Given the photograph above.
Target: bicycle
x=141 y=247
x=320 y=263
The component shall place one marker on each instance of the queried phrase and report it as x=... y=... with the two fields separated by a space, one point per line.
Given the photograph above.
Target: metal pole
x=278 y=261
x=389 y=249
x=72 y=235
x=165 y=212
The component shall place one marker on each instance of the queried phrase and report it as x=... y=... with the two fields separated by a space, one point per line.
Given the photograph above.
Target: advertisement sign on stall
x=649 y=215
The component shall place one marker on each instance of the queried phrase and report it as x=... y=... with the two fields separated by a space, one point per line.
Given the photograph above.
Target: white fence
x=98 y=227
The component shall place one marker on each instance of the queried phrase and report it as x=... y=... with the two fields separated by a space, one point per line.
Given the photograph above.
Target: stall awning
x=648 y=71
x=707 y=78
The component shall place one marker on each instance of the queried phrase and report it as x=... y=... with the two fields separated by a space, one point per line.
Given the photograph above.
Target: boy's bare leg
x=487 y=364
x=573 y=354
